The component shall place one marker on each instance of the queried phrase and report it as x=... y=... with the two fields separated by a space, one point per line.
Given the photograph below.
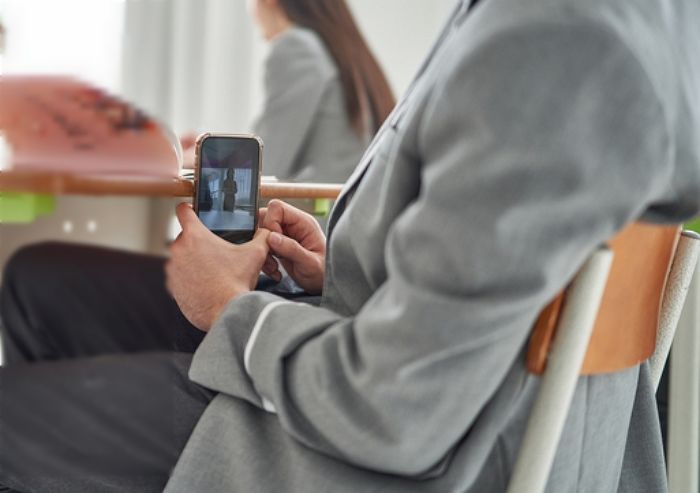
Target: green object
x=322 y=207
x=693 y=225
x=18 y=208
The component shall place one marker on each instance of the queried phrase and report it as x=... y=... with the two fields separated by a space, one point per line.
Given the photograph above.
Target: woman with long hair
x=325 y=93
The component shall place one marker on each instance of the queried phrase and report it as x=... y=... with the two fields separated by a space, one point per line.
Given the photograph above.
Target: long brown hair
x=367 y=92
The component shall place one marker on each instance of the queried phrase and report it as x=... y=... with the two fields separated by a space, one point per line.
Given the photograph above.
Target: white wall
x=74 y=37
x=194 y=64
x=401 y=32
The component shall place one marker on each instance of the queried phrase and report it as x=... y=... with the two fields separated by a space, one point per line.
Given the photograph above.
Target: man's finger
x=188 y=140
x=262 y=212
x=287 y=248
x=270 y=264
x=272 y=269
x=186 y=217
x=274 y=216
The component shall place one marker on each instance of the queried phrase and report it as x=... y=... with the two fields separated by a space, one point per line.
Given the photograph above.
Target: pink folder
x=65 y=125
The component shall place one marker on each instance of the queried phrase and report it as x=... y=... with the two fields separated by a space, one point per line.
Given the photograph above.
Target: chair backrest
x=626 y=326
x=605 y=321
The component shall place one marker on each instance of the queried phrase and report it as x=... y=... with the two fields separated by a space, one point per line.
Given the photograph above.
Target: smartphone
x=227 y=184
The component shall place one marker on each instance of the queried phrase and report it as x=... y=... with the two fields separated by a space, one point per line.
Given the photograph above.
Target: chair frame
x=566 y=355
x=549 y=412
x=683 y=432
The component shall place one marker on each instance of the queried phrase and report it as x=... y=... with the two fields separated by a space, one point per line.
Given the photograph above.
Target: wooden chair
x=626 y=297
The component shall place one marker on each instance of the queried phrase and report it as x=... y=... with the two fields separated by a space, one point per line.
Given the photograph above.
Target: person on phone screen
x=536 y=130
x=325 y=93
x=229 y=190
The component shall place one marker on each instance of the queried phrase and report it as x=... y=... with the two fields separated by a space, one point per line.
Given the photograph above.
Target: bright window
x=82 y=38
x=2 y=34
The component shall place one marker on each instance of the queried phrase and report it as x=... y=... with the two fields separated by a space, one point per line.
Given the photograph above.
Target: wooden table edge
x=51 y=183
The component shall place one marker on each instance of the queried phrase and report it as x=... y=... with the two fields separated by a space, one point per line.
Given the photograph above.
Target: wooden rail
x=51 y=183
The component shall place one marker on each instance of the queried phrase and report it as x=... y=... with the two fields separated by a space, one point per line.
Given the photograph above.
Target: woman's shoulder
x=302 y=47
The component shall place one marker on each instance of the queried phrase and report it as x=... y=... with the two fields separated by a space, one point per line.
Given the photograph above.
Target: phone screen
x=227 y=193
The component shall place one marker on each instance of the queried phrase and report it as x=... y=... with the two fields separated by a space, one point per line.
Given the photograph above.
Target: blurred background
x=194 y=64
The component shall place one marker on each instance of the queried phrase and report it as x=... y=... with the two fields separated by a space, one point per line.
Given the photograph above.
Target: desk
x=26 y=196
x=52 y=183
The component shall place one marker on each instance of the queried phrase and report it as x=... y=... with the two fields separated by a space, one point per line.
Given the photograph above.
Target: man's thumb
x=187 y=217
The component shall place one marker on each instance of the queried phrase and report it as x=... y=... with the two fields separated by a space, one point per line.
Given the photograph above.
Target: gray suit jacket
x=308 y=135
x=534 y=132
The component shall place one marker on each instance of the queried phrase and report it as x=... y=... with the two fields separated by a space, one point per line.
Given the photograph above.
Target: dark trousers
x=94 y=394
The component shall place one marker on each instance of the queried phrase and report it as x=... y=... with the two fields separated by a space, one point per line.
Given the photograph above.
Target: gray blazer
x=534 y=132
x=304 y=124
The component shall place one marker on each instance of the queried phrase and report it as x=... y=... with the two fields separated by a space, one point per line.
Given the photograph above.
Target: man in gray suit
x=534 y=131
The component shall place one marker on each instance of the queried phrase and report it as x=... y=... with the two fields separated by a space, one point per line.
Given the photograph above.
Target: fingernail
x=275 y=239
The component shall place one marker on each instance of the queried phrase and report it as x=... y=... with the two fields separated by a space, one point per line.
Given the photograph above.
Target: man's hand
x=188 y=142
x=205 y=272
x=297 y=240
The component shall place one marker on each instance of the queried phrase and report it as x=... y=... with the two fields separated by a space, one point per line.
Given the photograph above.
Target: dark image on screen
x=226 y=193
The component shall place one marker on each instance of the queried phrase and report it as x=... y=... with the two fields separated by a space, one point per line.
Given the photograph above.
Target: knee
x=31 y=268
x=27 y=260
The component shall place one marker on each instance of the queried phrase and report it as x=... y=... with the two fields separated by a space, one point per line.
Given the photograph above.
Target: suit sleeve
x=296 y=74
x=538 y=146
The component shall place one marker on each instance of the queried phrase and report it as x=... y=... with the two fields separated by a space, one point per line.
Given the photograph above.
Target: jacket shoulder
x=300 y=49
